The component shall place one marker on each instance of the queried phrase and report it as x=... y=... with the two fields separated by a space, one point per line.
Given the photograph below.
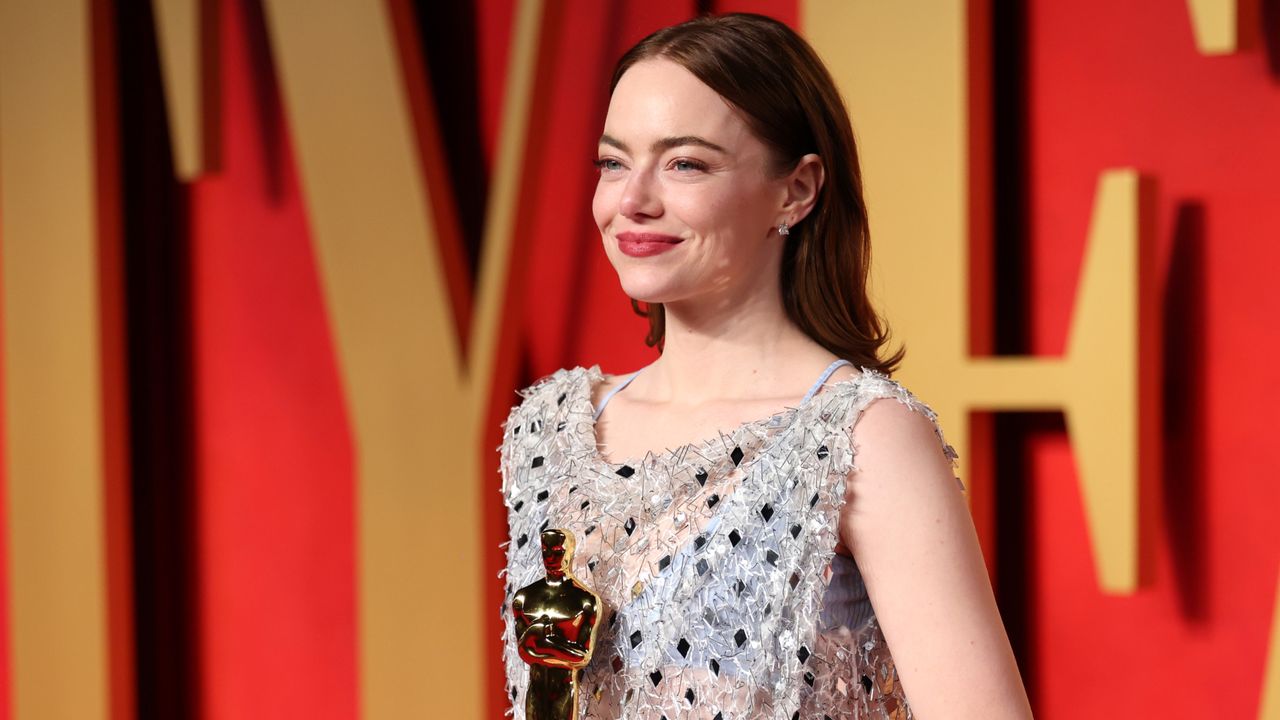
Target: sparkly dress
x=723 y=597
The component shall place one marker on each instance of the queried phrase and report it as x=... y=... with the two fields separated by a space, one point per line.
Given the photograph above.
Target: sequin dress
x=723 y=596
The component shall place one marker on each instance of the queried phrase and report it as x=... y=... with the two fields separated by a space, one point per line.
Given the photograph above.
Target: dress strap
x=608 y=396
x=826 y=374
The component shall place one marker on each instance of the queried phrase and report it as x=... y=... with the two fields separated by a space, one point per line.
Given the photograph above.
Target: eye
x=608 y=165
x=688 y=165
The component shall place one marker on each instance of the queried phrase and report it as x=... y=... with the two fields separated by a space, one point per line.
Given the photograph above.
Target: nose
x=640 y=197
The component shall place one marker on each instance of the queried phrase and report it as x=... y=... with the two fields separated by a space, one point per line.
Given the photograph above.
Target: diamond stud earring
x=784 y=229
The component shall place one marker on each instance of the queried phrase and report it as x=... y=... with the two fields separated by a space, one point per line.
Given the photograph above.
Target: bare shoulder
x=900 y=455
x=604 y=387
x=909 y=529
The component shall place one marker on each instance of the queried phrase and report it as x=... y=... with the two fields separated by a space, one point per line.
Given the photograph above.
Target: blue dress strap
x=605 y=400
x=826 y=374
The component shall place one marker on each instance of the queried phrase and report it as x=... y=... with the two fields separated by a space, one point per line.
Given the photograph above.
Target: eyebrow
x=665 y=143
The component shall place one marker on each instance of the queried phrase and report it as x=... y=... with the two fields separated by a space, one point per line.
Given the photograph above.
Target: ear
x=802 y=186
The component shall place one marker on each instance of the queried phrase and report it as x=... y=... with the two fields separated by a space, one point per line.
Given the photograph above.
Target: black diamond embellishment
x=813 y=500
x=519 y=504
x=664 y=562
x=635 y=639
x=734 y=538
x=590 y=530
x=740 y=637
x=699 y=541
x=795 y=580
x=521 y=541
x=866 y=683
x=591 y=565
x=711 y=501
x=795 y=715
x=772 y=557
x=823 y=452
x=537 y=462
x=560 y=426
x=584 y=504
x=701 y=477
x=688 y=695
x=683 y=647
x=545 y=524
x=573 y=489
x=535 y=426
x=543 y=495
x=768 y=610
x=703 y=566
x=626 y=471
x=617 y=664
x=560 y=400
x=630 y=526
x=808 y=678
x=516 y=431
x=715 y=668
x=803 y=654
x=766 y=512
x=736 y=456
x=656 y=677
x=513 y=693
x=719 y=716
x=613 y=618
x=740 y=586
x=795 y=531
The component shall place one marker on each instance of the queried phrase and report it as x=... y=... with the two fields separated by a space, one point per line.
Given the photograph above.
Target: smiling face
x=687 y=203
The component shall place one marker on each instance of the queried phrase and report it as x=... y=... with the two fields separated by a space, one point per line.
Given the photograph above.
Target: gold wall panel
x=1214 y=24
x=416 y=403
x=54 y=459
x=185 y=32
x=904 y=72
x=1270 y=705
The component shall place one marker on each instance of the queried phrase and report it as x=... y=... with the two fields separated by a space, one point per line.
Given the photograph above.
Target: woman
x=717 y=506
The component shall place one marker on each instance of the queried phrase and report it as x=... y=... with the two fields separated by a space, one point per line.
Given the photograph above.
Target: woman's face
x=686 y=204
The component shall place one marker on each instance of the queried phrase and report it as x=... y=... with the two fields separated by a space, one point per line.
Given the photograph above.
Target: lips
x=646 y=244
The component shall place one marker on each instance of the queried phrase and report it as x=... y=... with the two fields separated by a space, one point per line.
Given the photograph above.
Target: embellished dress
x=723 y=597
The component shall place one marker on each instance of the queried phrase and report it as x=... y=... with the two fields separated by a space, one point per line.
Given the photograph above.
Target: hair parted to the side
x=773 y=76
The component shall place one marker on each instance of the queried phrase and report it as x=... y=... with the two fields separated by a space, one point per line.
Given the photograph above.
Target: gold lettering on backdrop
x=1215 y=25
x=1270 y=704
x=63 y=510
x=904 y=71
x=185 y=38
x=416 y=403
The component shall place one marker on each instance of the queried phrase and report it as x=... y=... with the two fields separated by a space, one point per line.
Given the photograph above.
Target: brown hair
x=769 y=73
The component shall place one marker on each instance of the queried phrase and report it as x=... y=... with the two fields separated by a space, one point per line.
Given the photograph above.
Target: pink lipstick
x=645 y=244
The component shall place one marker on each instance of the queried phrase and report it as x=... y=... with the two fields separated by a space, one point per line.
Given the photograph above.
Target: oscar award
x=555 y=624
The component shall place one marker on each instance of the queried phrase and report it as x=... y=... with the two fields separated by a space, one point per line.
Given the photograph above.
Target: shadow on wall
x=1184 y=407
x=1270 y=31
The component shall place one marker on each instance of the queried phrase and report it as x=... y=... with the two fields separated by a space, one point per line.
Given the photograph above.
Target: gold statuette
x=555 y=630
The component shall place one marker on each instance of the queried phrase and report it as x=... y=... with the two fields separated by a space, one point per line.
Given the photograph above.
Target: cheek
x=604 y=204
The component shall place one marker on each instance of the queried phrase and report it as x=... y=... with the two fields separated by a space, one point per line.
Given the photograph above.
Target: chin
x=647 y=287
x=650 y=292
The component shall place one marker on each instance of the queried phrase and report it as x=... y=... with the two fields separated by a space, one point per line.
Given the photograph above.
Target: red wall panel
x=1122 y=84
x=274 y=467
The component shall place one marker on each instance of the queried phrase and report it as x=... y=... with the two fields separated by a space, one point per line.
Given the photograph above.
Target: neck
x=739 y=347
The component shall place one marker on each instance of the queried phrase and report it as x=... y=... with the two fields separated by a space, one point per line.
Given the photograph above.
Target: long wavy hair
x=773 y=76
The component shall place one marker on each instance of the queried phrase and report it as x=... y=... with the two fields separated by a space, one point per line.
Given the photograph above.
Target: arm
x=542 y=641
x=910 y=531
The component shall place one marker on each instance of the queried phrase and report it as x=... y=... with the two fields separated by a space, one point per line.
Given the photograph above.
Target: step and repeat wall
x=272 y=270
